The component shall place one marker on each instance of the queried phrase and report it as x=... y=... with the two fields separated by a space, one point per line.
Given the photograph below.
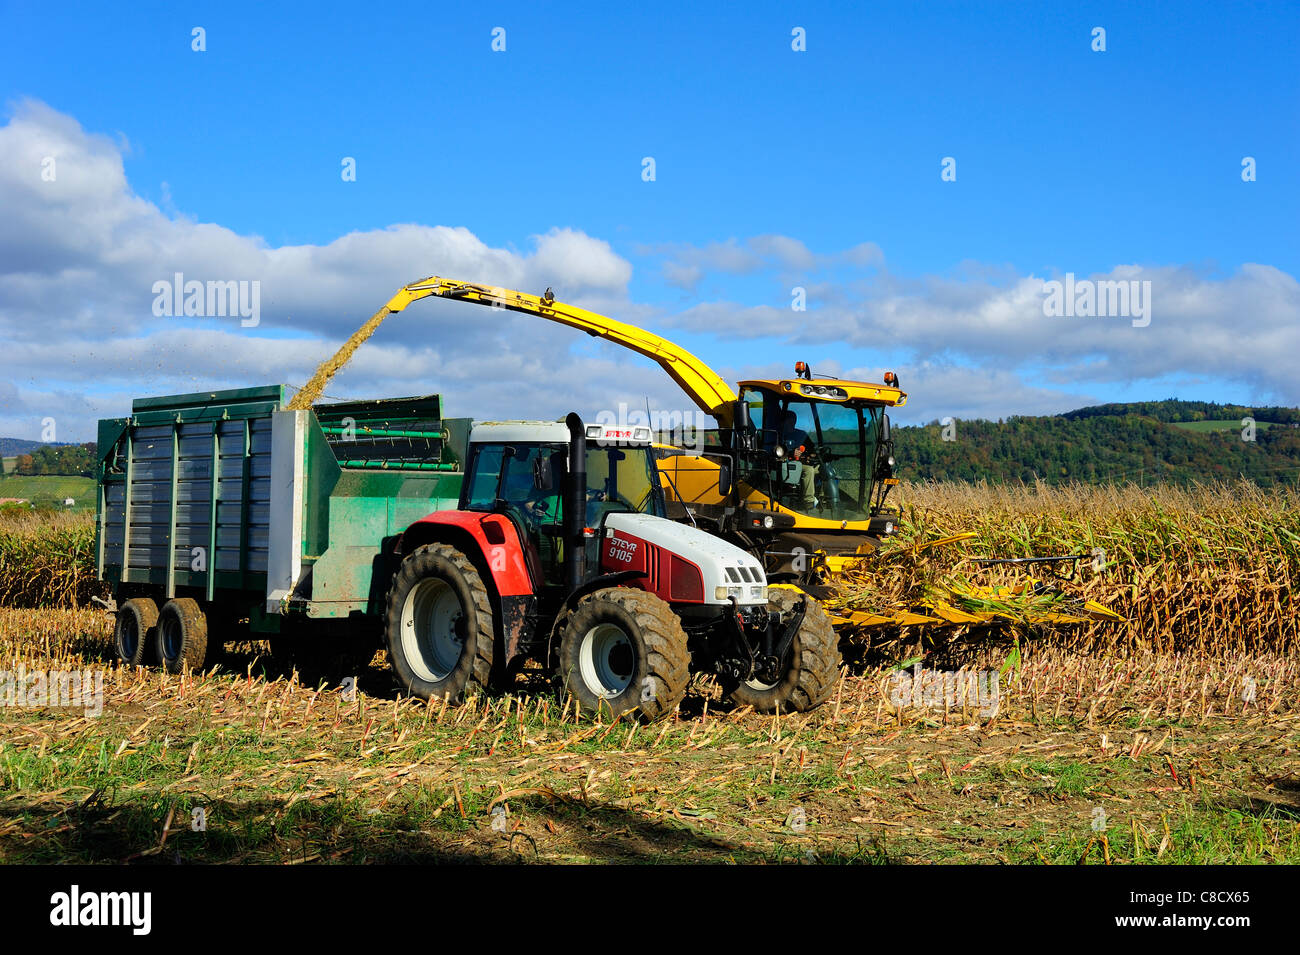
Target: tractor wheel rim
x=433 y=630
x=607 y=660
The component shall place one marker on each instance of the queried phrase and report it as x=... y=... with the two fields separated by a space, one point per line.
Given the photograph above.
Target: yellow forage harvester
x=796 y=470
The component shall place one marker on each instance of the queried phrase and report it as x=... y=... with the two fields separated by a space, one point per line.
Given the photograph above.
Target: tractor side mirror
x=884 y=429
x=543 y=473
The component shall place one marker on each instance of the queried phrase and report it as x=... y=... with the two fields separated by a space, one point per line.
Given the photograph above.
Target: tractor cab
x=519 y=469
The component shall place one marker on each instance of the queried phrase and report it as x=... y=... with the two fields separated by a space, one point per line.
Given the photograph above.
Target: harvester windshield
x=819 y=454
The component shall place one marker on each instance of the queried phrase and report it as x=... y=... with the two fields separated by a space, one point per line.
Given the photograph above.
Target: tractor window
x=618 y=479
x=483 y=482
x=517 y=486
x=621 y=479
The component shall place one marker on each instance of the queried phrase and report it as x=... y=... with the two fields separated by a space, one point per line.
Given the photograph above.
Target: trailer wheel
x=438 y=627
x=182 y=636
x=813 y=661
x=134 y=631
x=622 y=650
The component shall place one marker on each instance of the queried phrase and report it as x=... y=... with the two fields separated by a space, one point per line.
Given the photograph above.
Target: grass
x=287 y=774
x=1227 y=424
x=49 y=488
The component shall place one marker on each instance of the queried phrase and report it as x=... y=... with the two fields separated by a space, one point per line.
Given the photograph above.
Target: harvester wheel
x=134 y=631
x=438 y=628
x=813 y=661
x=183 y=636
x=622 y=650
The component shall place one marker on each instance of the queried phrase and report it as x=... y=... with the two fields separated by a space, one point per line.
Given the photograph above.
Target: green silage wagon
x=223 y=515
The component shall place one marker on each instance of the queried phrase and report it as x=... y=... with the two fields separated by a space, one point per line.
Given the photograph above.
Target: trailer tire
x=814 y=661
x=624 y=649
x=438 y=627
x=134 y=631
x=183 y=636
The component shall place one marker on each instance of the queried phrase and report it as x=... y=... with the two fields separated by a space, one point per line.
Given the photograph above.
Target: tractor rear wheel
x=624 y=649
x=812 y=663
x=438 y=627
x=134 y=631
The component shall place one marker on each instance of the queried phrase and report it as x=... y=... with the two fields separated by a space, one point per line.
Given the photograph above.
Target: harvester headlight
x=768 y=522
x=806 y=389
x=889 y=527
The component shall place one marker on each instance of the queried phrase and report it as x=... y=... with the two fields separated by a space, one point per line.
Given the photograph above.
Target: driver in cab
x=794 y=440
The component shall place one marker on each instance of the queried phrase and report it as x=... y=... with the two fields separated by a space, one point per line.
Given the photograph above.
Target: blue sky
x=1068 y=160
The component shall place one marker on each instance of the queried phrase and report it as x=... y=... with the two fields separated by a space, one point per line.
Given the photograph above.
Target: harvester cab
x=818 y=447
x=560 y=553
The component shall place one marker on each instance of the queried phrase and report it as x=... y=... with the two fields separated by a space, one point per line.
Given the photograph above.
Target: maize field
x=1210 y=570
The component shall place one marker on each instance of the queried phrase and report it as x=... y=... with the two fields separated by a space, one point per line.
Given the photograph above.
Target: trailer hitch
x=770 y=663
x=740 y=664
x=765 y=662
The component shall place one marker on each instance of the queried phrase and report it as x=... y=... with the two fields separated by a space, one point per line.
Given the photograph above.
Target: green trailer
x=223 y=514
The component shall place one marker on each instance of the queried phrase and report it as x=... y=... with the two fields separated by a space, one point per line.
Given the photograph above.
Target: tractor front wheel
x=811 y=665
x=623 y=650
x=438 y=628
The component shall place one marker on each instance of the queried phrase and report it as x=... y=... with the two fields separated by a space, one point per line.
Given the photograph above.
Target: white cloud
x=684 y=265
x=1244 y=327
x=79 y=256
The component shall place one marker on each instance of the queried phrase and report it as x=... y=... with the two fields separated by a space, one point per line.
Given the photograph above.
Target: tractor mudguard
x=493 y=535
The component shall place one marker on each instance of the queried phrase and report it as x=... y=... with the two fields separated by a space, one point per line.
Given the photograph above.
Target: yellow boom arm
x=709 y=392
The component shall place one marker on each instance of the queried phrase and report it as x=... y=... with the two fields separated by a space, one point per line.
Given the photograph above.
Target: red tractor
x=559 y=552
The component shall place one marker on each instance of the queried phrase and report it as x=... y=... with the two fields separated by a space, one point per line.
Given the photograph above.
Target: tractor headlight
x=755 y=593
